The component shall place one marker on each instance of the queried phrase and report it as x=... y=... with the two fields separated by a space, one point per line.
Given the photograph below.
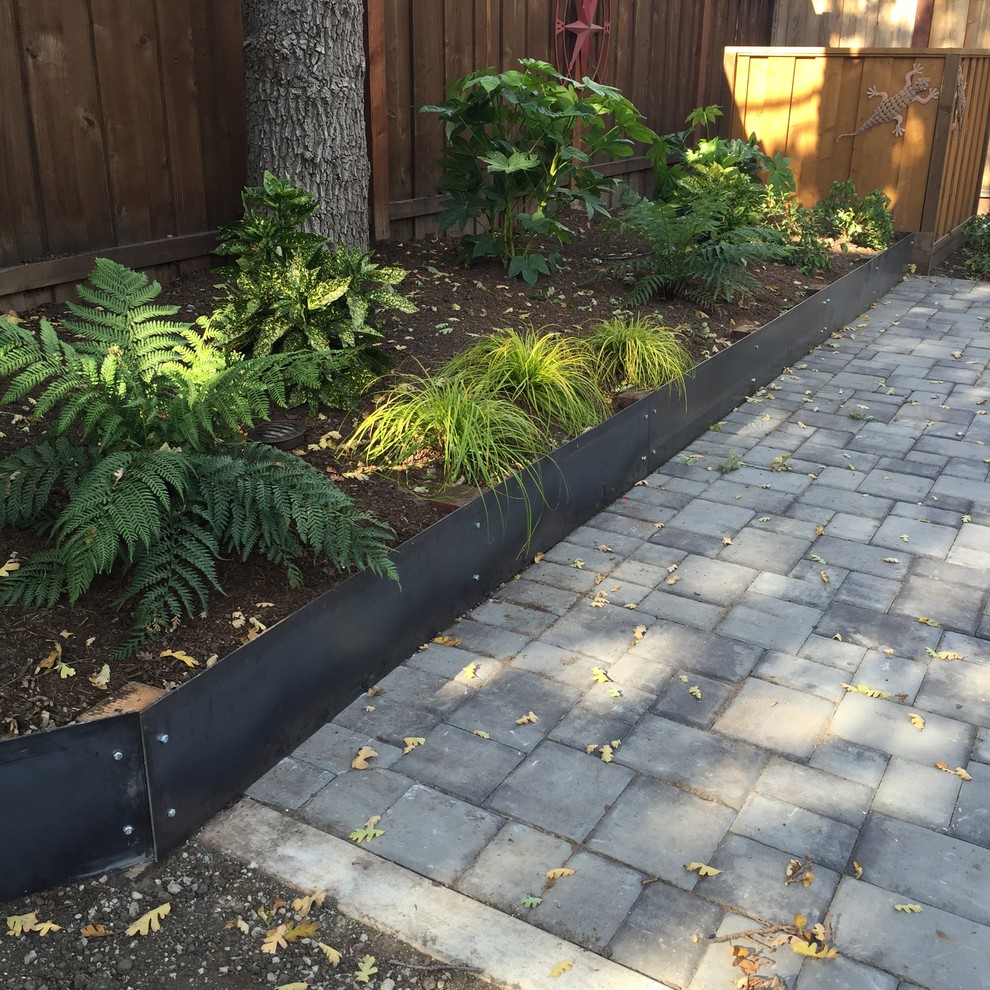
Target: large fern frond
x=30 y=478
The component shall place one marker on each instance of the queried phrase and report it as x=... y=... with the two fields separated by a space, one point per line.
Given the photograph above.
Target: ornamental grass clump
x=549 y=375
x=144 y=472
x=472 y=437
x=638 y=353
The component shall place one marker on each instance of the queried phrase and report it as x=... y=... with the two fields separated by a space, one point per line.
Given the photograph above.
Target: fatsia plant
x=144 y=471
x=520 y=146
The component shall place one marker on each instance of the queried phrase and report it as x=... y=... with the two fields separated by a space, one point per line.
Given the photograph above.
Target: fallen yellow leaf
x=150 y=921
x=470 y=671
x=411 y=742
x=332 y=955
x=561 y=968
x=303 y=905
x=294 y=932
x=94 y=931
x=360 y=762
x=179 y=655
x=917 y=721
x=562 y=871
x=530 y=718
x=908 y=908
x=803 y=948
x=447 y=640
x=702 y=869
x=19 y=924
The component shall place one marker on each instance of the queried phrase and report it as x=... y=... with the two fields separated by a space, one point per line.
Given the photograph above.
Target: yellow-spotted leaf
x=151 y=921
x=562 y=967
x=702 y=869
x=917 y=721
x=447 y=640
x=908 y=908
x=695 y=691
x=561 y=871
x=331 y=954
x=304 y=929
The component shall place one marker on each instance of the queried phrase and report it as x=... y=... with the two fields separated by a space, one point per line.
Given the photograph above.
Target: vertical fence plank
x=185 y=137
x=401 y=112
x=22 y=233
x=126 y=45
x=428 y=75
x=376 y=117
x=67 y=120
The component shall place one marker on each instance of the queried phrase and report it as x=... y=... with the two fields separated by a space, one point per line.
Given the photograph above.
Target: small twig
x=429 y=967
x=751 y=933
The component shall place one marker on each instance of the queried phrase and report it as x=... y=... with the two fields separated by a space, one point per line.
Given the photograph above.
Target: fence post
x=376 y=117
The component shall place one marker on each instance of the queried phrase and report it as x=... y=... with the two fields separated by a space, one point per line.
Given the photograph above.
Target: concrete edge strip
x=433 y=919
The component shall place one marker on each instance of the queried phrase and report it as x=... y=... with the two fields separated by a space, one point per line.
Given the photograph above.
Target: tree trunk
x=304 y=67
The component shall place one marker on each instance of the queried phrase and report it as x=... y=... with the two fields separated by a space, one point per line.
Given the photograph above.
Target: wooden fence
x=122 y=132
x=804 y=101
x=897 y=24
x=665 y=57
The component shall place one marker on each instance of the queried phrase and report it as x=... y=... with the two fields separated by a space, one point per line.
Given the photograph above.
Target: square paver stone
x=696 y=759
x=807 y=787
x=459 y=762
x=796 y=830
x=656 y=937
x=924 y=539
x=875 y=631
x=497 y=704
x=561 y=789
x=529 y=622
x=434 y=834
x=956 y=606
x=696 y=701
x=769 y=622
x=900 y=791
x=971 y=820
x=765 y=550
x=332 y=747
x=589 y=906
x=658 y=828
x=959 y=689
x=603 y=634
x=776 y=717
x=849 y=760
x=871 y=931
x=843 y=974
x=916 y=862
x=699 y=651
x=752 y=882
x=884 y=725
x=516 y=860
x=289 y=784
x=349 y=800
x=717 y=582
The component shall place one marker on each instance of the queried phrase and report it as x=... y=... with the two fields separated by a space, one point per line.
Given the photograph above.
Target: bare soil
x=456 y=306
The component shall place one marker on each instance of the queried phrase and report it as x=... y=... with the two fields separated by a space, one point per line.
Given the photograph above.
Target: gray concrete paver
x=776 y=759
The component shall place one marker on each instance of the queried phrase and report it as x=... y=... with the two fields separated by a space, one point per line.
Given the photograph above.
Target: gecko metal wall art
x=894 y=107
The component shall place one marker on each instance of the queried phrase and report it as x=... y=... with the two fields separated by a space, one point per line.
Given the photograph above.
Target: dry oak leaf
x=101 y=679
x=608 y=754
x=7 y=569
x=944 y=654
x=959 y=771
x=481 y=734
x=44 y=927
x=638 y=633
x=274 y=940
x=908 y=908
x=150 y=921
x=447 y=640
x=562 y=967
x=332 y=955
x=470 y=671
x=239 y=923
x=298 y=985
x=599 y=676
x=94 y=931
x=695 y=691
x=857 y=870
x=605 y=548
x=179 y=655
x=539 y=557
x=813 y=949
x=562 y=871
x=20 y=924
x=530 y=718
x=304 y=929
x=360 y=762
x=366 y=970
x=917 y=721
x=411 y=742
x=366 y=834
x=702 y=869
x=303 y=905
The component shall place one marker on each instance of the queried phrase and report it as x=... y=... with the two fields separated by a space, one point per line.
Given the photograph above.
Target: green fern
x=143 y=471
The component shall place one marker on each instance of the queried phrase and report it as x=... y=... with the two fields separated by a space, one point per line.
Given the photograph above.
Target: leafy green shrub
x=477 y=439
x=810 y=252
x=690 y=251
x=143 y=471
x=519 y=151
x=978 y=246
x=551 y=376
x=638 y=353
x=288 y=291
x=864 y=220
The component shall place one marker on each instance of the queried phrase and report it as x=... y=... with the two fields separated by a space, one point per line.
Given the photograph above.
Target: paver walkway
x=849 y=555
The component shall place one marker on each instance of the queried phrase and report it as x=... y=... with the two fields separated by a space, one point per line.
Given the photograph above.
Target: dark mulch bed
x=456 y=305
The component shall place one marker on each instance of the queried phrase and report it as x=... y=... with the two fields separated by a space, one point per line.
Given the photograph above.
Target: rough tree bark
x=304 y=68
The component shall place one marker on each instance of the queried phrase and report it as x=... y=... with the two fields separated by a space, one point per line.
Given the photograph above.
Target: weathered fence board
x=806 y=102
x=123 y=125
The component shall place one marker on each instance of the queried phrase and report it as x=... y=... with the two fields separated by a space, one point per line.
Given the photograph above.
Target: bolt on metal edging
x=162 y=737
x=128 y=830
x=118 y=755
x=170 y=812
